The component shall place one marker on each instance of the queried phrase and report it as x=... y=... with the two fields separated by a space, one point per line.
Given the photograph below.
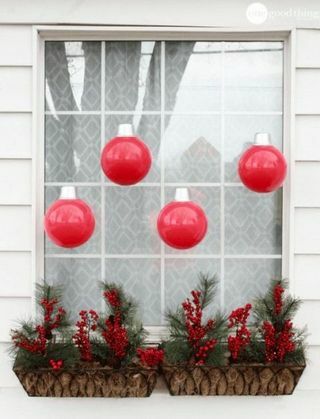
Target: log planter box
x=236 y=379
x=88 y=382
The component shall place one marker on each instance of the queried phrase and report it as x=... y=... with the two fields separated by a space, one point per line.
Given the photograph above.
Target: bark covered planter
x=238 y=380
x=88 y=382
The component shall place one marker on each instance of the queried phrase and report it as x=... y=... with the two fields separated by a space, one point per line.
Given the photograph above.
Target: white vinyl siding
x=15 y=89
x=15 y=134
x=307 y=138
x=306 y=197
x=15 y=185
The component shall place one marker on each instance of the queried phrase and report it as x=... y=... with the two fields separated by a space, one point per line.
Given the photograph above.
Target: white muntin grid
x=162 y=184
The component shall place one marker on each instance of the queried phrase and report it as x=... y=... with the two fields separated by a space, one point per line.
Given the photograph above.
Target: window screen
x=197 y=105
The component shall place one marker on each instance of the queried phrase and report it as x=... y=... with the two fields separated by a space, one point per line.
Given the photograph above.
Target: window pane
x=132 y=76
x=253 y=222
x=131 y=215
x=80 y=279
x=182 y=276
x=245 y=279
x=192 y=148
x=140 y=278
x=73 y=76
x=193 y=76
x=253 y=76
x=73 y=148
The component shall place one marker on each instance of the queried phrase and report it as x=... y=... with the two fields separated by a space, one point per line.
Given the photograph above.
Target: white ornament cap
x=68 y=192
x=125 y=130
x=182 y=195
x=262 y=138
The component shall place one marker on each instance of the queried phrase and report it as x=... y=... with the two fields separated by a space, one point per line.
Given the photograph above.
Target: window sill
x=304 y=403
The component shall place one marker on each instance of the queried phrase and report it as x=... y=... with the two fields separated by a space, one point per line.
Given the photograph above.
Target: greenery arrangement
x=115 y=338
x=270 y=337
x=194 y=338
x=35 y=345
x=197 y=335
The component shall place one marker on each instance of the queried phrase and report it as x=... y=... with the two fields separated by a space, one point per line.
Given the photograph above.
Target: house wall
x=16 y=74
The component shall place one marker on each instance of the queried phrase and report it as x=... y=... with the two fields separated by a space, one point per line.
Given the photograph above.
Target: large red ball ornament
x=262 y=168
x=69 y=222
x=182 y=224
x=126 y=159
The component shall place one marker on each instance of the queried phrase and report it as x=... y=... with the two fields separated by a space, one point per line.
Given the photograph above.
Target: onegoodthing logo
x=257 y=13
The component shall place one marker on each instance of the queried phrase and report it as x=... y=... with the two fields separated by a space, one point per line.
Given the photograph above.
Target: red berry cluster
x=113 y=298
x=37 y=345
x=278 y=337
x=150 y=356
x=116 y=336
x=44 y=331
x=278 y=344
x=86 y=324
x=285 y=343
x=196 y=331
x=204 y=350
x=56 y=365
x=238 y=319
x=277 y=298
x=50 y=306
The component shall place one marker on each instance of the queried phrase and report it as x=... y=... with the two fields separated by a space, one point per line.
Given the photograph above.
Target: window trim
x=101 y=33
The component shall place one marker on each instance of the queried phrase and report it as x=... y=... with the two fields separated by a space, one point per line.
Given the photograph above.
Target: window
x=197 y=105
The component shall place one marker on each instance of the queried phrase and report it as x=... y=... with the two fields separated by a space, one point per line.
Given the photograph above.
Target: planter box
x=88 y=382
x=240 y=380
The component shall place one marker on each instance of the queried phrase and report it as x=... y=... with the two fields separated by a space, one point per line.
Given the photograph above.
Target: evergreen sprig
x=129 y=306
x=187 y=322
x=265 y=310
x=126 y=308
x=57 y=324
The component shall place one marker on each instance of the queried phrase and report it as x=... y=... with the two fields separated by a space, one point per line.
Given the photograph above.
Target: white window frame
x=113 y=33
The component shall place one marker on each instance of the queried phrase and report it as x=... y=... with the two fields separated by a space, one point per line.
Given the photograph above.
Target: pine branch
x=176 y=323
x=207 y=286
x=177 y=351
x=220 y=329
x=119 y=306
x=129 y=306
x=290 y=307
x=218 y=356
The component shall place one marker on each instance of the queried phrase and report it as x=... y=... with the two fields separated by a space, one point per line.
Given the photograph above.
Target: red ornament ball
x=262 y=168
x=182 y=225
x=126 y=159
x=69 y=222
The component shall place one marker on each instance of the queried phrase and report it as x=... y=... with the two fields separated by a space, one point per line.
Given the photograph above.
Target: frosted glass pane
x=192 y=148
x=253 y=76
x=246 y=279
x=73 y=76
x=253 y=222
x=73 y=148
x=80 y=281
x=131 y=215
x=132 y=76
x=182 y=275
x=192 y=76
x=140 y=278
